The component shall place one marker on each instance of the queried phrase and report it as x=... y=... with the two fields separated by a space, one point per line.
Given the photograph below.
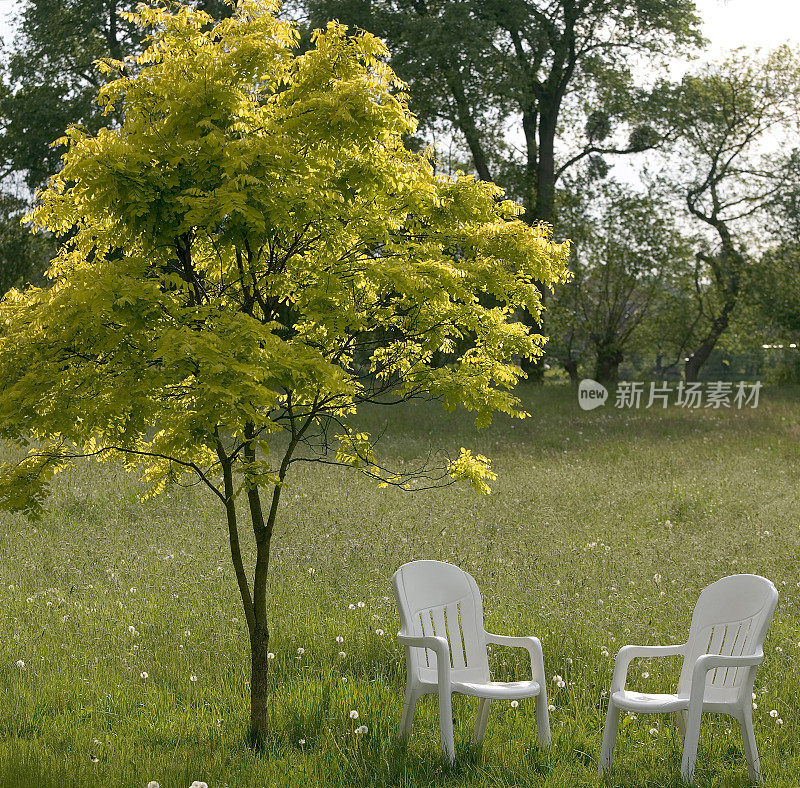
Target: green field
x=601 y=530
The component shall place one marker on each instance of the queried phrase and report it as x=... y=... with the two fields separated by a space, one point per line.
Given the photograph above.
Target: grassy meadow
x=601 y=530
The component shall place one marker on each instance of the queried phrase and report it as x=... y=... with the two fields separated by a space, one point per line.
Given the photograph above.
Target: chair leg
x=609 y=737
x=750 y=750
x=446 y=726
x=543 y=719
x=484 y=704
x=409 y=706
x=690 y=741
x=681 y=720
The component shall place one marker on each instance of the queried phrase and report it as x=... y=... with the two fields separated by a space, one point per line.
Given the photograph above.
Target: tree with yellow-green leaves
x=246 y=258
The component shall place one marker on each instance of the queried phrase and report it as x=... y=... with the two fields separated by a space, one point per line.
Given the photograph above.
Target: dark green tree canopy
x=478 y=66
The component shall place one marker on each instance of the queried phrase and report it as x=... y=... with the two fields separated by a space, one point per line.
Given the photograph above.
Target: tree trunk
x=700 y=356
x=259 y=685
x=543 y=211
x=607 y=366
x=571 y=368
x=546 y=168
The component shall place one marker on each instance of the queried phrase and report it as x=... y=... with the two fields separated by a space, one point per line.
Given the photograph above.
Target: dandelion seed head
x=514 y=704
x=143 y=675
x=353 y=715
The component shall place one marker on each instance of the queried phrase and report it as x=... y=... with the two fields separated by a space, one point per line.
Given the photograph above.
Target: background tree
x=477 y=66
x=731 y=116
x=626 y=252
x=23 y=255
x=776 y=276
x=234 y=243
x=557 y=75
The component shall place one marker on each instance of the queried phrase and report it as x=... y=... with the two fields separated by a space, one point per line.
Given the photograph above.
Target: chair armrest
x=533 y=646
x=707 y=662
x=438 y=645
x=627 y=654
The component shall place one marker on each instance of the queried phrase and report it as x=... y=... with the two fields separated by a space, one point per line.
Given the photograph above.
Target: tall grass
x=601 y=530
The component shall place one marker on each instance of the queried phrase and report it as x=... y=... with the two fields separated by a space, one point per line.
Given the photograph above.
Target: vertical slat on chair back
x=731 y=617
x=439 y=599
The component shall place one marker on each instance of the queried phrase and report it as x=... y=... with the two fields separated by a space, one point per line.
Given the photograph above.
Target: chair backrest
x=435 y=598
x=731 y=617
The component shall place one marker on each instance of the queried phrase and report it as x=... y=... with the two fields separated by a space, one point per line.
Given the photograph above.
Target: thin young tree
x=249 y=256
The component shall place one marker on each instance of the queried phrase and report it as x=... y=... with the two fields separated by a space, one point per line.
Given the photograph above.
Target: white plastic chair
x=724 y=647
x=441 y=627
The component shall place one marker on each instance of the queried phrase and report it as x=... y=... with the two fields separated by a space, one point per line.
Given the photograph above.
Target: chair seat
x=498 y=689
x=649 y=702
